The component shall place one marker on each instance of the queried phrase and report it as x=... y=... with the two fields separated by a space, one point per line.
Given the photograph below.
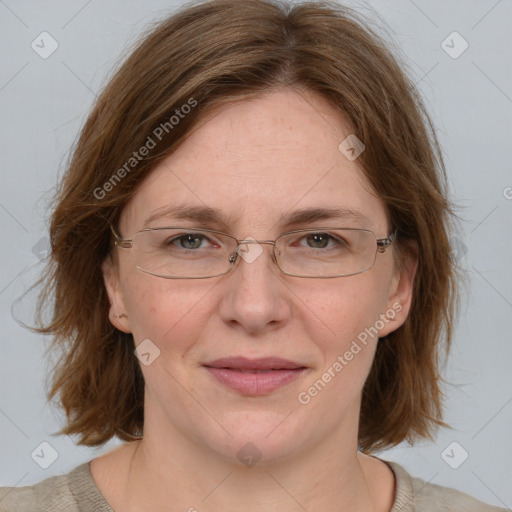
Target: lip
x=255 y=376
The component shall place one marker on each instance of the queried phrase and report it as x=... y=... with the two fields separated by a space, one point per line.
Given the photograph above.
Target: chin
x=260 y=438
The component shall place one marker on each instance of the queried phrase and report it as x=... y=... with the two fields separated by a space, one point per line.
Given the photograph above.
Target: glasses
x=190 y=253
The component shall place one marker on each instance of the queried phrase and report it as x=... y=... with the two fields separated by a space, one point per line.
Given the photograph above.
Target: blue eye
x=187 y=241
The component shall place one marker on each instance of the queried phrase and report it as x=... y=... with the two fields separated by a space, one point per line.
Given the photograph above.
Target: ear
x=401 y=290
x=117 y=313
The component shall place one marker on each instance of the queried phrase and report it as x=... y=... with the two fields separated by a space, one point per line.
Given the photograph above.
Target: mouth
x=254 y=376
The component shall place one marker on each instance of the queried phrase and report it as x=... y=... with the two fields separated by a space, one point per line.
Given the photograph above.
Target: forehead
x=256 y=161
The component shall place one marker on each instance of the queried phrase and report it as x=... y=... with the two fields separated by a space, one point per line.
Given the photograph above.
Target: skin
x=255 y=161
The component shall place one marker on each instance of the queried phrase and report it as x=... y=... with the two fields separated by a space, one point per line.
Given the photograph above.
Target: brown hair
x=212 y=53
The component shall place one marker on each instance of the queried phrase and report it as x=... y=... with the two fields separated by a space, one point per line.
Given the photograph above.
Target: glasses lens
x=182 y=252
x=193 y=253
x=326 y=253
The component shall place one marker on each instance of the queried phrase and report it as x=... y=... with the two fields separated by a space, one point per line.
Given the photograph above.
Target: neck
x=183 y=476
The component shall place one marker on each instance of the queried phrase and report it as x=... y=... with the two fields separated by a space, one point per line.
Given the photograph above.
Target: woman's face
x=256 y=163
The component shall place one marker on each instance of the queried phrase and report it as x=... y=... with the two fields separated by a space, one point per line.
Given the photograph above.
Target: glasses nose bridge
x=271 y=242
x=234 y=258
x=268 y=242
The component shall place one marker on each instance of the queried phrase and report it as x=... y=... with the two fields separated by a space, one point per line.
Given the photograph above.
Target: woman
x=251 y=273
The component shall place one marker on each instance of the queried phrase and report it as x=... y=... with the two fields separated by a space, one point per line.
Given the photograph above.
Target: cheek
x=341 y=309
x=164 y=309
x=342 y=322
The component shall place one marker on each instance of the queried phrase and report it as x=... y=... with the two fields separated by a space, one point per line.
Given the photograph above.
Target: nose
x=254 y=297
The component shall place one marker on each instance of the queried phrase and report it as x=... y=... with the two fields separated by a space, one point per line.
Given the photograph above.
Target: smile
x=254 y=377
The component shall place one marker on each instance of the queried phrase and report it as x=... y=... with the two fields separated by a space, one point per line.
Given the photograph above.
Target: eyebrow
x=208 y=215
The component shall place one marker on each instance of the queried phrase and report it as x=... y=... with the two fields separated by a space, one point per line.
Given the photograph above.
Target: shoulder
x=415 y=494
x=72 y=492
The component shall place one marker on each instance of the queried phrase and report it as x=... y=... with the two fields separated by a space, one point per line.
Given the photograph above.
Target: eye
x=323 y=240
x=187 y=241
x=318 y=240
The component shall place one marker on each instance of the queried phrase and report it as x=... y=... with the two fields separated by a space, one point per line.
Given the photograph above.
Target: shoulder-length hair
x=206 y=55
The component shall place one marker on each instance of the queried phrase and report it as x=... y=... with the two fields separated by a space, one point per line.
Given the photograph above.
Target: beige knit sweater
x=77 y=492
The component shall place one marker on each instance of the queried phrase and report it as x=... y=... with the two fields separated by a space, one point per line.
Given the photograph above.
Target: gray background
x=44 y=102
